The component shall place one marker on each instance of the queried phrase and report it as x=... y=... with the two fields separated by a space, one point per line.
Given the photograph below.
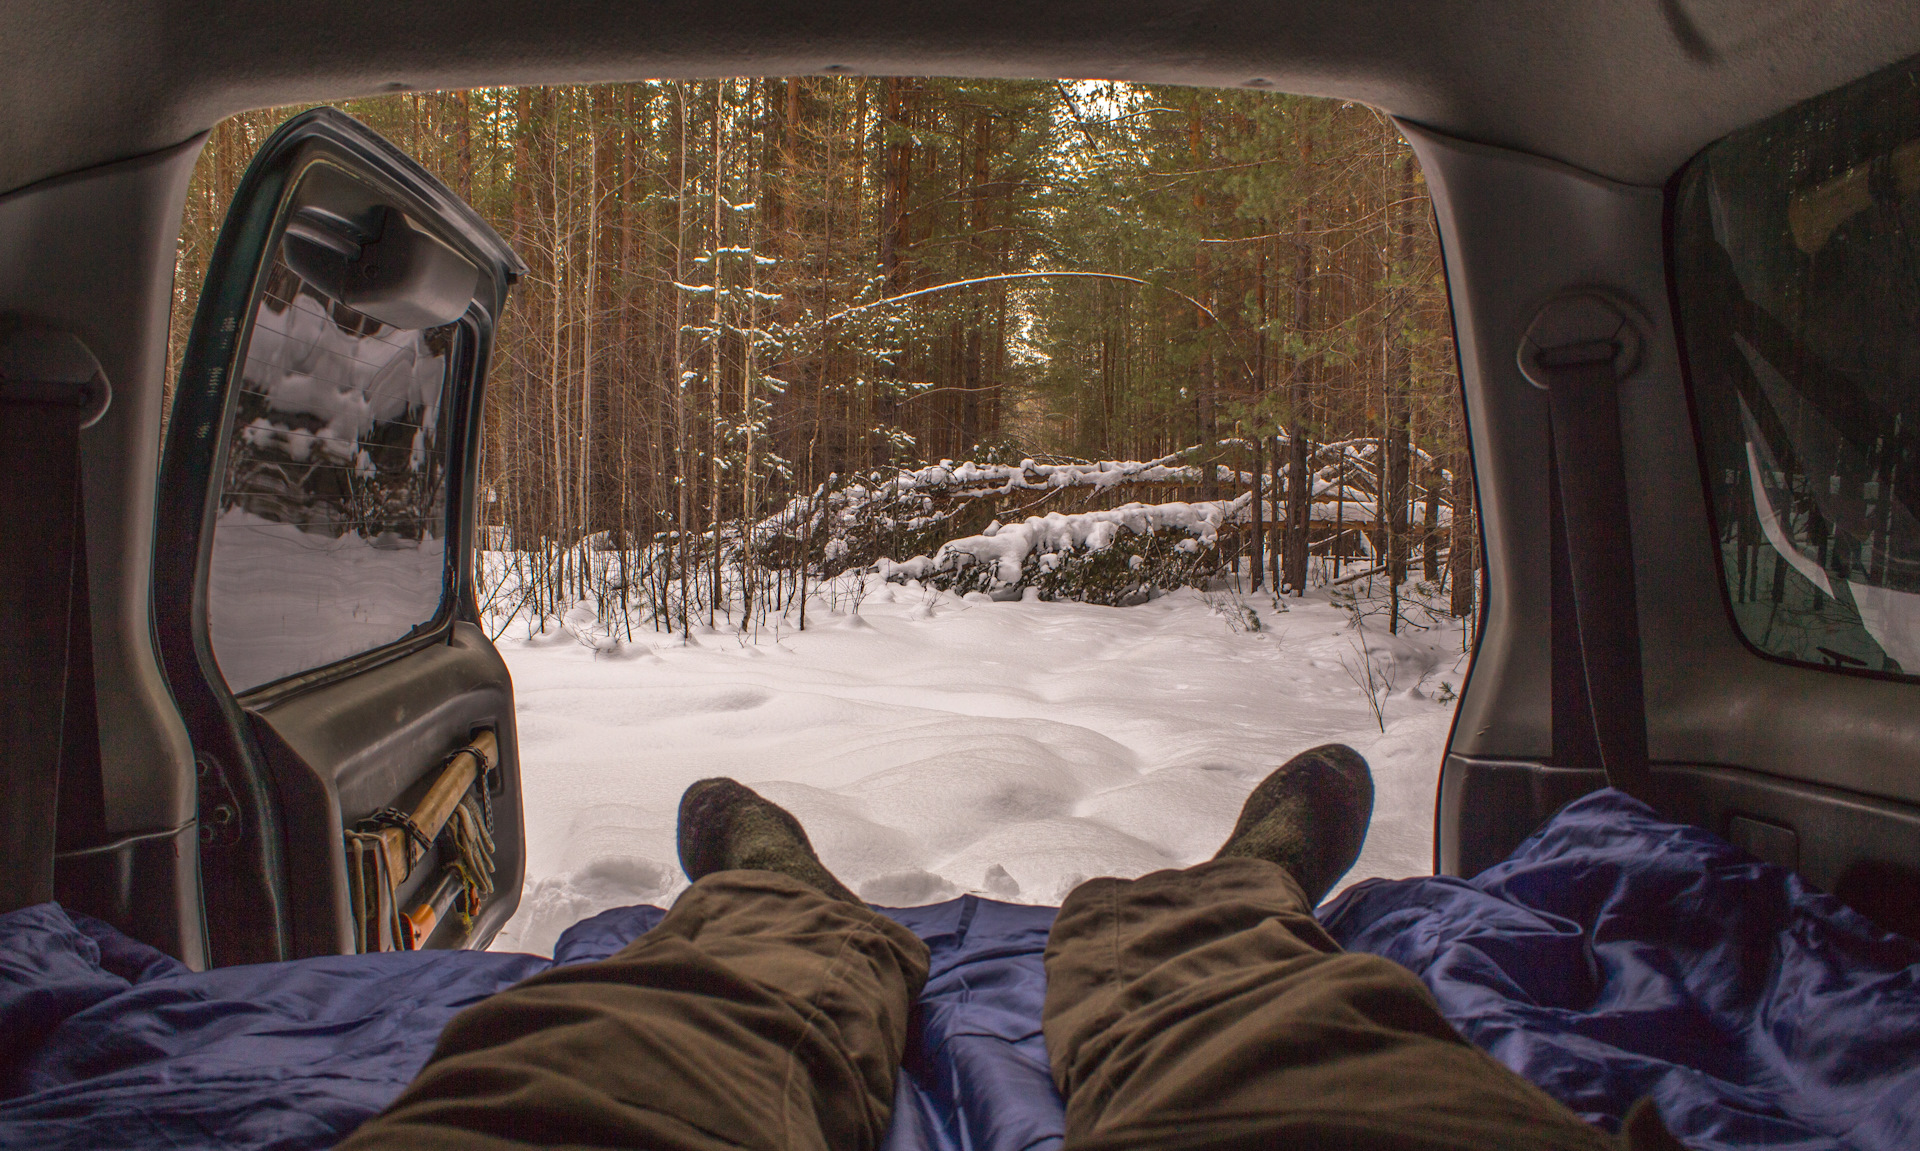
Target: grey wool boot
x=1310 y=816
x=725 y=826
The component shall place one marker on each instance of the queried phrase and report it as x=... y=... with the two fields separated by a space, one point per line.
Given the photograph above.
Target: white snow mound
x=1010 y=748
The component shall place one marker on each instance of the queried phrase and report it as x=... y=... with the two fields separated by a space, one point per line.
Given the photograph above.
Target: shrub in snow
x=853 y=520
x=848 y=524
x=1118 y=557
x=1238 y=616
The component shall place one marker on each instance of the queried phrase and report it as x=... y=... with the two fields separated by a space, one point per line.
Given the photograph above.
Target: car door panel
x=341 y=751
x=313 y=590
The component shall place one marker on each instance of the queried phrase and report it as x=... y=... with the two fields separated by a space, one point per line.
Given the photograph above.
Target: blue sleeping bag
x=1614 y=955
x=107 y=1043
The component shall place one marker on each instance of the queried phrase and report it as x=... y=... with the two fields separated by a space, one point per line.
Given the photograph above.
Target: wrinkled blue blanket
x=1614 y=955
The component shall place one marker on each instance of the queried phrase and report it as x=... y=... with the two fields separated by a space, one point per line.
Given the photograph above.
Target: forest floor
x=934 y=745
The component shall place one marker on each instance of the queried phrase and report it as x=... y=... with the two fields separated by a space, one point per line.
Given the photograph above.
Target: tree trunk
x=1463 y=558
x=1299 y=482
x=750 y=407
x=1205 y=420
x=716 y=440
x=683 y=465
x=1273 y=553
x=1259 y=511
x=898 y=159
x=589 y=313
x=1398 y=387
x=1430 y=526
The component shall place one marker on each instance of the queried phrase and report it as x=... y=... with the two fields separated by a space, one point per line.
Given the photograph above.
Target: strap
x=1574 y=744
x=482 y=770
x=1582 y=380
x=394 y=817
x=45 y=393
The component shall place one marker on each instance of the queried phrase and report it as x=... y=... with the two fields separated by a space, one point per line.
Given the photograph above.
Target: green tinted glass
x=1797 y=262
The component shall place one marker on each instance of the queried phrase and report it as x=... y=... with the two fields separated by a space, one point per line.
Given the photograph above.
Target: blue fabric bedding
x=1614 y=955
x=107 y=1043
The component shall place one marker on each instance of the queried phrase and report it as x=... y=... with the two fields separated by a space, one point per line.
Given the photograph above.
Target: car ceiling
x=1627 y=89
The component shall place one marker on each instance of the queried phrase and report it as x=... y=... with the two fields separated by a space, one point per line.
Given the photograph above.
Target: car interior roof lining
x=1626 y=89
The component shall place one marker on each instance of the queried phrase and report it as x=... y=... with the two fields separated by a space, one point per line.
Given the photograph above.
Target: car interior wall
x=1829 y=762
x=1515 y=232
x=92 y=253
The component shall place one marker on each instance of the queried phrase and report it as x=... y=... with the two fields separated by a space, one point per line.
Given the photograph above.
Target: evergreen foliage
x=745 y=291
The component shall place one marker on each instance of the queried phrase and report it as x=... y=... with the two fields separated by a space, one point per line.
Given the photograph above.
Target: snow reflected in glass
x=330 y=538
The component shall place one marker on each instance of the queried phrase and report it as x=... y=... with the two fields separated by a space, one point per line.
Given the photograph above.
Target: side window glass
x=330 y=535
x=1797 y=264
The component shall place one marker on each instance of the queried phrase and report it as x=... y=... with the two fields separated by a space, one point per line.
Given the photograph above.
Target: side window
x=330 y=534
x=1796 y=256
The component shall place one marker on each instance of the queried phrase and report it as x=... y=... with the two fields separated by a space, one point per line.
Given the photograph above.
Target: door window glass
x=1797 y=263
x=330 y=534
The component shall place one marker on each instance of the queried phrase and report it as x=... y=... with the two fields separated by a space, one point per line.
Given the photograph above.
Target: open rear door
x=352 y=726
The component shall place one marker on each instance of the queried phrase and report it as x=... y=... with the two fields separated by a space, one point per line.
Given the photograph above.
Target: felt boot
x=725 y=826
x=1310 y=816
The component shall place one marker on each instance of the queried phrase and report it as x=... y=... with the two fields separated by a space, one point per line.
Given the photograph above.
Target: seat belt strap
x=50 y=386
x=1582 y=381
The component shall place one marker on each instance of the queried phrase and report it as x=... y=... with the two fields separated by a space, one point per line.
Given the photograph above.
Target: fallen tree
x=1118 y=556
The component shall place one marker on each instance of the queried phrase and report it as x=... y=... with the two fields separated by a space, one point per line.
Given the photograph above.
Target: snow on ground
x=934 y=745
x=282 y=599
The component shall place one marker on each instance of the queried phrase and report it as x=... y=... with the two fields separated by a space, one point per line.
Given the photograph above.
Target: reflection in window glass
x=1797 y=258
x=330 y=539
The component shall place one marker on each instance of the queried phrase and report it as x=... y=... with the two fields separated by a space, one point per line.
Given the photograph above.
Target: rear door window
x=330 y=537
x=1796 y=257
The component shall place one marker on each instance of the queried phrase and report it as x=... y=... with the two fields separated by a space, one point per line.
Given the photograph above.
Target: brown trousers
x=1202 y=1008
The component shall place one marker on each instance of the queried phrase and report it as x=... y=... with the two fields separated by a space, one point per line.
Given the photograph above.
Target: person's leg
x=1206 y=1008
x=767 y=1010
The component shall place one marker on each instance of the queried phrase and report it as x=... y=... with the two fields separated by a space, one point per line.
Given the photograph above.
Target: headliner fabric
x=1613 y=955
